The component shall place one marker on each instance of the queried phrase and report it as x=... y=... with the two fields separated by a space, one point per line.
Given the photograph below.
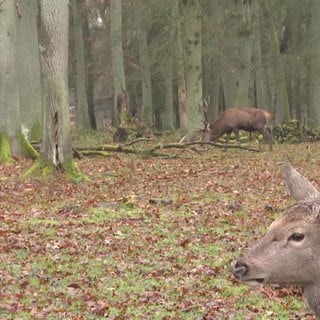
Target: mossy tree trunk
x=56 y=148
x=12 y=142
x=29 y=70
x=9 y=85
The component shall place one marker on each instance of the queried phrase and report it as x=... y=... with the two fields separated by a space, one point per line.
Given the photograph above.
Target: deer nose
x=240 y=269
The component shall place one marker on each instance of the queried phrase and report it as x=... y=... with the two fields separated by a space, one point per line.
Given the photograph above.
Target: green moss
x=27 y=149
x=35 y=131
x=5 y=150
x=95 y=153
x=40 y=168
x=73 y=172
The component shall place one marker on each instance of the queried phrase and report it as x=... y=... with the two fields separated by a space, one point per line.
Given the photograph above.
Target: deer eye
x=297 y=237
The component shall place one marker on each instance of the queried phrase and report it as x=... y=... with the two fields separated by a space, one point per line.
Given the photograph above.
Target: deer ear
x=314 y=208
x=299 y=187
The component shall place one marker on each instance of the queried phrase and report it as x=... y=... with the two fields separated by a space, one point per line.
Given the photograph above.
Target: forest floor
x=145 y=237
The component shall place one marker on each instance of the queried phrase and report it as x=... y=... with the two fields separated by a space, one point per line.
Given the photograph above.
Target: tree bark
x=168 y=104
x=314 y=110
x=276 y=74
x=181 y=82
x=56 y=148
x=89 y=68
x=147 y=106
x=9 y=83
x=193 y=70
x=262 y=98
x=117 y=55
x=83 y=121
x=244 y=46
x=29 y=71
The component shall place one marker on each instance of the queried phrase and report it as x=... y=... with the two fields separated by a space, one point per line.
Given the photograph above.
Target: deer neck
x=312 y=296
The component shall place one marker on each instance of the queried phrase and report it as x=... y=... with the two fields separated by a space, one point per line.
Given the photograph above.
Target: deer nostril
x=240 y=269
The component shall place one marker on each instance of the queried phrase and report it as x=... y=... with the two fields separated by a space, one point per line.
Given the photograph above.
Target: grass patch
x=102 y=250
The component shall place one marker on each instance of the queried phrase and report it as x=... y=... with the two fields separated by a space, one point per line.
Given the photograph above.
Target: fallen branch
x=152 y=151
x=136 y=141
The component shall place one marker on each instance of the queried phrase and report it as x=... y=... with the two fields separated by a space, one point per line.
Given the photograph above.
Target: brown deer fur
x=289 y=253
x=235 y=119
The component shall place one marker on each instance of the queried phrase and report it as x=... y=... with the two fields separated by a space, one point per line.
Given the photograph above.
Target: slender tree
x=144 y=59
x=117 y=54
x=88 y=65
x=168 y=115
x=193 y=70
x=181 y=82
x=314 y=109
x=83 y=120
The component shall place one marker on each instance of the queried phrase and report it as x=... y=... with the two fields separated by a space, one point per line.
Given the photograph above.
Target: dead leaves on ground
x=144 y=238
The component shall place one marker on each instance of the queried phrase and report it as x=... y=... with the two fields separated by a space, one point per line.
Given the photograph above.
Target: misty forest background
x=181 y=61
x=175 y=63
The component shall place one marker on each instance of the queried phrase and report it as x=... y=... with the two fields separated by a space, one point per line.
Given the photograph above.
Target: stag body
x=289 y=253
x=235 y=119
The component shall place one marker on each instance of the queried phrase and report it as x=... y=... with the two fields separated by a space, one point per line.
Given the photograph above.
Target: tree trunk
x=168 y=118
x=147 y=107
x=29 y=71
x=117 y=55
x=83 y=121
x=276 y=75
x=193 y=70
x=262 y=97
x=244 y=46
x=56 y=148
x=9 y=84
x=314 y=110
x=182 y=99
x=89 y=68
x=216 y=100
x=237 y=48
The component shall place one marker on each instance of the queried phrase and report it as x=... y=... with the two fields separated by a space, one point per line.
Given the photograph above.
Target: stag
x=289 y=253
x=235 y=119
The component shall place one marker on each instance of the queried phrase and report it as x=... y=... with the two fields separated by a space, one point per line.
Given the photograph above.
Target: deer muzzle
x=241 y=272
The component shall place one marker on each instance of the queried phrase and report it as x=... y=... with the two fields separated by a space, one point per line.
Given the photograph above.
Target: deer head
x=289 y=253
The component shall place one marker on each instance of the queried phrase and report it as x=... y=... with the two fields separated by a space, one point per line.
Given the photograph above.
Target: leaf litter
x=145 y=238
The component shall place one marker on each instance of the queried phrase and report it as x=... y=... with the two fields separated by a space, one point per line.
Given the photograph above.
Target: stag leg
x=266 y=134
x=227 y=140
x=228 y=137
x=236 y=132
